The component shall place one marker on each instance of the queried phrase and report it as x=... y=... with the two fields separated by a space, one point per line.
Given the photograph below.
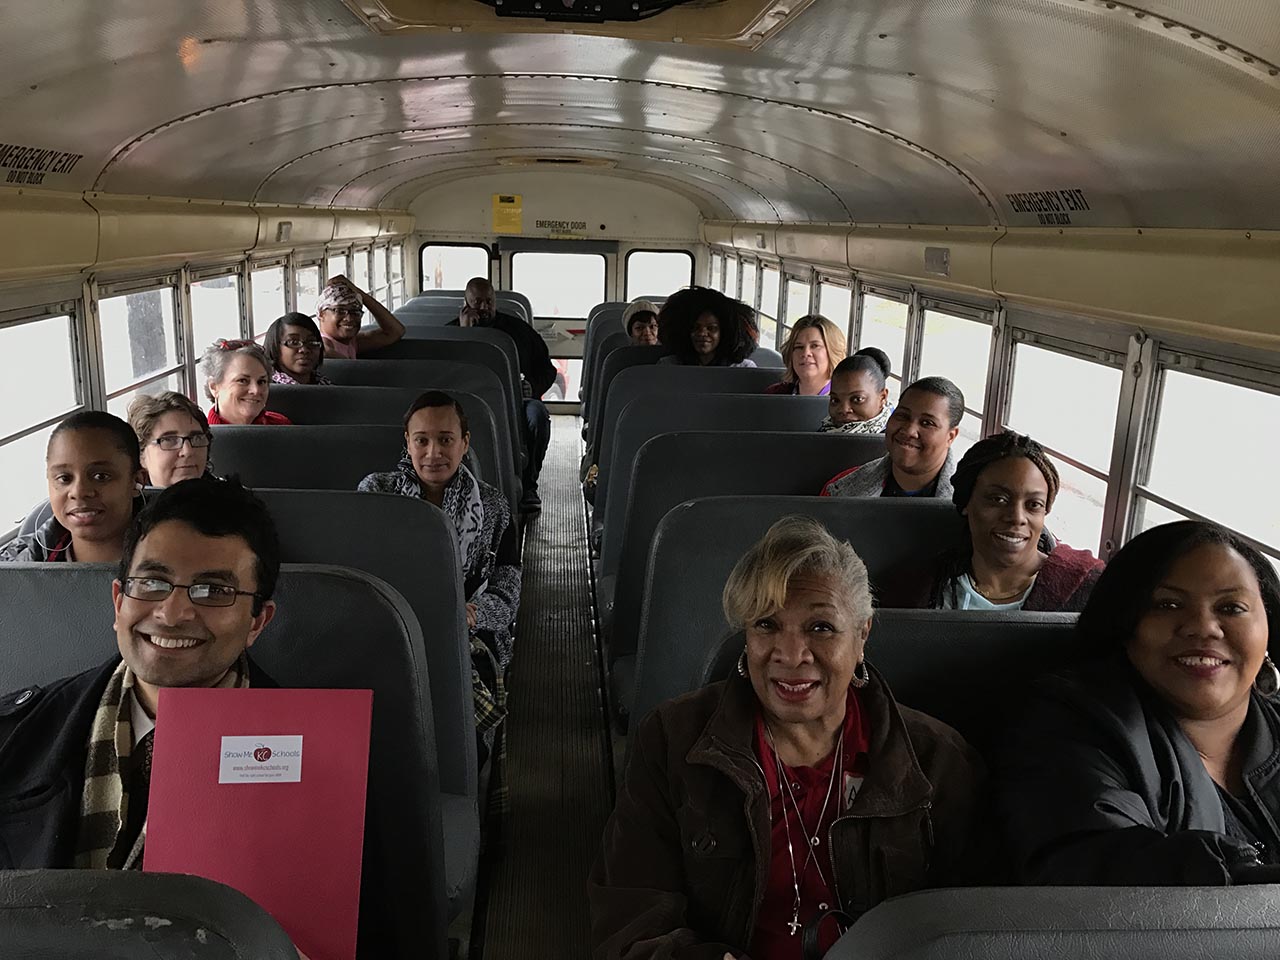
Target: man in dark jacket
x=194 y=592
x=537 y=374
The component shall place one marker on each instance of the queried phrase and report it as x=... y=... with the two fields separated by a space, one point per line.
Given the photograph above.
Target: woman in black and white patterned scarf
x=431 y=468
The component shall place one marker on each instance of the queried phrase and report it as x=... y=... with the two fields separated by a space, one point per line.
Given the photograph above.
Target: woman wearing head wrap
x=640 y=320
x=340 y=309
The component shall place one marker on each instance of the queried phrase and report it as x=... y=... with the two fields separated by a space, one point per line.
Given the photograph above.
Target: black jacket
x=1098 y=784
x=44 y=734
x=535 y=358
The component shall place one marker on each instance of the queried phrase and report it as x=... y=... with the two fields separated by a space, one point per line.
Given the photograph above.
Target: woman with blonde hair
x=802 y=759
x=812 y=351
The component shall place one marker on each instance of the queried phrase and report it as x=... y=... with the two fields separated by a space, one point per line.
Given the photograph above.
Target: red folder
x=264 y=790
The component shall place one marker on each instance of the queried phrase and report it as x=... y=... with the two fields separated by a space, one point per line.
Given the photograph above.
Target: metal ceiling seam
x=1201 y=41
x=643 y=156
x=572 y=126
x=969 y=179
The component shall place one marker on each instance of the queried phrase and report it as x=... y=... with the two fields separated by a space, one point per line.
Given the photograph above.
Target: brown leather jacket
x=684 y=862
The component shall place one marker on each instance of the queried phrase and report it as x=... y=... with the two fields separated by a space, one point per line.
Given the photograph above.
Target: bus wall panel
x=560 y=204
x=141 y=229
x=947 y=258
x=287 y=227
x=820 y=245
x=1219 y=284
x=45 y=233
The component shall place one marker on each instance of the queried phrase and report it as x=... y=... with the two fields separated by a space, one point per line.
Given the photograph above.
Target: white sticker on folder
x=260 y=760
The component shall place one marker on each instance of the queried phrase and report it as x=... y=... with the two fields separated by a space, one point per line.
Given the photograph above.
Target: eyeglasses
x=293 y=343
x=154 y=589
x=347 y=311
x=174 y=441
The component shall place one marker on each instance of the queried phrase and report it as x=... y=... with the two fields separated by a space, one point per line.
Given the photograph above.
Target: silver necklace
x=812 y=854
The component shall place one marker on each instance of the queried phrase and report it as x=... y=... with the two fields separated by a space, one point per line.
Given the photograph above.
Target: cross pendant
x=794 y=923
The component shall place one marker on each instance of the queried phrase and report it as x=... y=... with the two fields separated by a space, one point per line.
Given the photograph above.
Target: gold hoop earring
x=1268 y=679
x=858 y=682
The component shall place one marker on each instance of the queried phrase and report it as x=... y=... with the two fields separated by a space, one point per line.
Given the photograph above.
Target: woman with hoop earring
x=760 y=815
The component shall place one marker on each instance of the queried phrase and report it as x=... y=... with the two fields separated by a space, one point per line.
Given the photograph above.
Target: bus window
x=958 y=348
x=749 y=286
x=22 y=476
x=381 y=291
x=336 y=265
x=215 y=310
x=657 y=273
x=37 y=364
x=717 y=272
x=139 y=339
x=836 y=303
x=797 y=305
x=119 y=404
x=361 y=277
x=450 y=266
x=730 y=276
x=307 y=289
x=884 y=325
x=1198 y=417
x=559 y=285
x=267 y=285
x=770 y=279
x=1077 y=434
x=397 y=276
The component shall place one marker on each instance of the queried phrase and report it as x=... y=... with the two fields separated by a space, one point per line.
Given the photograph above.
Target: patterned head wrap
x=339 y=295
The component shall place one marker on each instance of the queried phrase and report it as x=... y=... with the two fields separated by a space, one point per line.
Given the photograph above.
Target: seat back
x=767 y=357
x=611 y=365
x=415 y=334
x=338 y=406
x=604 y=345
x=122 y=914
x=650 y=413
x=604 y=318
x=334 y=628
x=420 y=562
x=438 y=375
x=674 y=467
x=983 y=656
x=436 y=314
x=508 y=301
x=324 y=456
x=1101 y=923
x=698 y=543
x=456 y=351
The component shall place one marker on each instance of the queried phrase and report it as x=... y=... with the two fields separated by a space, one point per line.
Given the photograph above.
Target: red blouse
x=772 y=939
x=266 y=418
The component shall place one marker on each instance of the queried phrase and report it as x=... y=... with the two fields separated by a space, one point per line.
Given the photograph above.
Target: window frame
x=732 y=255
x=252 y=267
x=201 y=274
x=489 y=250
x=626 y=267
x=788 y=276
x=108 y=290
x=849 y=323
x=604 y=257
x=1208 y=361
x=21 y=316
x=906 y=297
x=975 y=314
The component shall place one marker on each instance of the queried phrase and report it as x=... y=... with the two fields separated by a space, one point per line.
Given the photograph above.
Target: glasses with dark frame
x=295 y=343
x=157 y=589
x=174 y=441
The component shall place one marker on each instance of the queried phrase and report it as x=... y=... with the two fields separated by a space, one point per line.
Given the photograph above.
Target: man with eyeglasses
x=194 y=592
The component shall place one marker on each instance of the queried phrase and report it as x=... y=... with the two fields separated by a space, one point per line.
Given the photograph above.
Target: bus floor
x=532 y=895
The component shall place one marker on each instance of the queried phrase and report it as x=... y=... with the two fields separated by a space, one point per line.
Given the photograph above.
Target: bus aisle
x=557 y=745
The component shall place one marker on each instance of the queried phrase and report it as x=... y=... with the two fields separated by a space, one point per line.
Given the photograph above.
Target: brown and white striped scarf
x=104 y=804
